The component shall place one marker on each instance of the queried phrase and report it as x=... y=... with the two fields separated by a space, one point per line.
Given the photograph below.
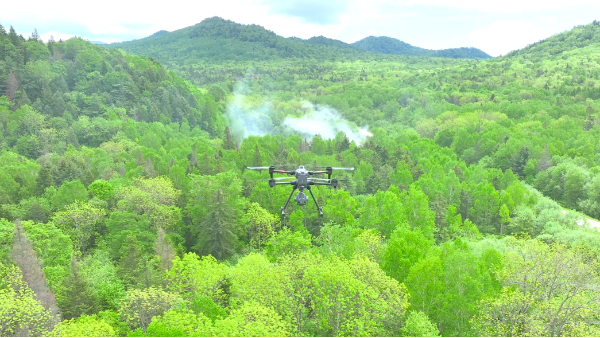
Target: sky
x=494 y=26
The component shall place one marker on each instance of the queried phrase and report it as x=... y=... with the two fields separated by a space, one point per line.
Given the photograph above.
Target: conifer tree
x=35 y=36
x=43 y=180
x=257 y=159
x=3 y=34
x=75 y=298
x=13 y=37
x=51 y=43
x=37 y=214
x=519 y=161
x=228 y=143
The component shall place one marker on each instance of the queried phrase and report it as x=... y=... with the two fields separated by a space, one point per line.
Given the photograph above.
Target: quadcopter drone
x=303 y=181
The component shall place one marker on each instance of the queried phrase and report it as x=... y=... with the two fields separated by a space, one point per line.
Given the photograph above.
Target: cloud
x=504 y=36
x=318 y=12
x=504 y=6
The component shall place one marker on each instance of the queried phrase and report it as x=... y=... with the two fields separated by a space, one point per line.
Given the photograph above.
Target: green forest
x=126 y=208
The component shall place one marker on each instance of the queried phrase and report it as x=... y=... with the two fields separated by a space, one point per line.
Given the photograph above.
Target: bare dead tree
x=164 y=250
x=12 y=86
x=26 y=259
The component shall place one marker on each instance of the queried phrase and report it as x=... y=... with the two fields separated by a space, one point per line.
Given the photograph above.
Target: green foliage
x=404 y=249
x=202 y=304
x=533 y=302
x=84 y=326
x=81 y=221
x=287 y=242
x=67 y=194
x=252 y=320
x=139 y=306
x=417 y=324
x=193 y=275
x=101 y=189
x=179 y=323
x=103 y=280
x=21 y=314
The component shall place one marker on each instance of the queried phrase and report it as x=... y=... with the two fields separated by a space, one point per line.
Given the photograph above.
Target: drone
x=303 y=181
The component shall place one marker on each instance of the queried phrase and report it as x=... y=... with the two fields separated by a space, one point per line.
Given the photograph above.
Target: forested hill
x=578 y=37
x=221 y=40
x=217 y=39
x=387 y=45
x=71 y=92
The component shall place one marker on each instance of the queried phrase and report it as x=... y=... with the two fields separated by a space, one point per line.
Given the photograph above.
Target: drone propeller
x=337 y=168
x=277 y=178
x=258 y=168
x=328 y=180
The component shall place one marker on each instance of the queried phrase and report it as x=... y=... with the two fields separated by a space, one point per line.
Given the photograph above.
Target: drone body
x=303 y=181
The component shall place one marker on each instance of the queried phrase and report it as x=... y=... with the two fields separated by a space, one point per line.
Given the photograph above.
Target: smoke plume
x=326 y=122
x=247 y=118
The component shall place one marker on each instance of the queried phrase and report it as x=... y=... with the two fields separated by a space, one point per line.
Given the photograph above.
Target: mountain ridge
x=218 y=28
x=388 y=45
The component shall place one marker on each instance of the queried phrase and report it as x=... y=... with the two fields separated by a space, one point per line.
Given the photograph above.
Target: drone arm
x=314 y=199
x=332 y=183
x=327 y=171
x=288 y=172
x=287 y=201
x=273 y=183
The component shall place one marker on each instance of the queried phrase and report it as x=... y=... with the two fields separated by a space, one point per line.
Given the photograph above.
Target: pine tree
x=51 y=43
x=13 y=37
x=343 y=144
x=3 y=34
x=257 y=159
x=228 y=143
x=35 y=36
x=75 y=299
x=43 y=180
x=37 y=214
x=519 y=161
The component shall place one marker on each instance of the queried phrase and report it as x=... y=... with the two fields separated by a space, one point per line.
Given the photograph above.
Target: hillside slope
x=578 y=37
x=77 y=88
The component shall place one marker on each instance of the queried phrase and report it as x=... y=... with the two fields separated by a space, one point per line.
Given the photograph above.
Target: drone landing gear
x=286 y=202
x=314 y=199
